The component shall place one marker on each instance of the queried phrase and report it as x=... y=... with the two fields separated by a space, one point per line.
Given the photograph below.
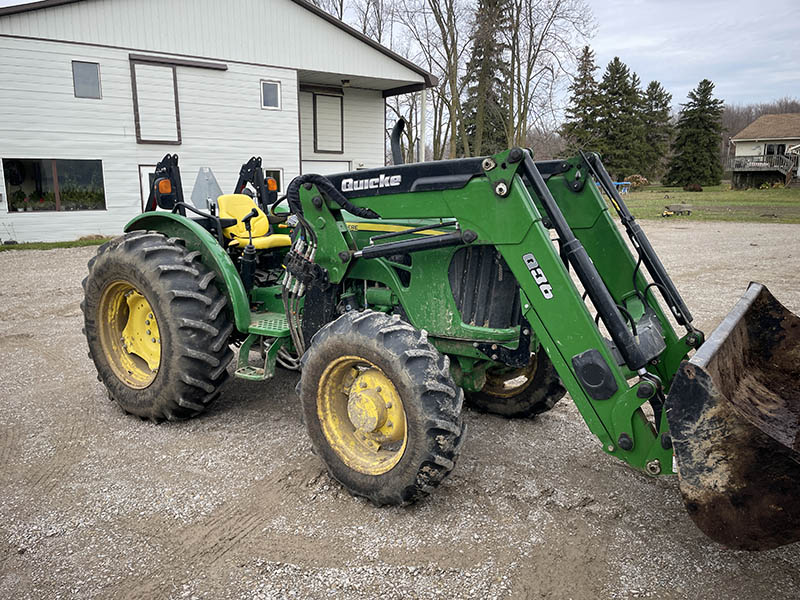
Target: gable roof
x=772 y=127
x=428 y=78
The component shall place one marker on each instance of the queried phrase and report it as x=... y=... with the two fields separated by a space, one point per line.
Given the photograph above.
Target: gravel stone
x=233 y=504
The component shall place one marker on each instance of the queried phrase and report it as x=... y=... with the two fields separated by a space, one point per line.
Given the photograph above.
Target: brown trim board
x=179 y=62
x=135 y=95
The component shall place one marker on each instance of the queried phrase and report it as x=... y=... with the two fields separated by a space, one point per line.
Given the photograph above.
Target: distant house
x=766 y=151
x=96 y=92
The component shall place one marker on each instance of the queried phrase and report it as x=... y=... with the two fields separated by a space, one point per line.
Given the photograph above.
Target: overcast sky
x=750 y=50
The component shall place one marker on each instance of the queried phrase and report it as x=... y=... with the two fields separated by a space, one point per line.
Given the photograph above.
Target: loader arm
x=500 y=206
x=733 y=408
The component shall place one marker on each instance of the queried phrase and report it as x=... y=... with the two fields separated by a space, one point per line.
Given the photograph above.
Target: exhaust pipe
x=734 y=417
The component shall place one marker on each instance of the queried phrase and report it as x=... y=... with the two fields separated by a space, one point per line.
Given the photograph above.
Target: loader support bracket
x=513 y=358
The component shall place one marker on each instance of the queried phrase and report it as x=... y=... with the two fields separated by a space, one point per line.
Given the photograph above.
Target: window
x=773 y=149
x=271 y=95
x=155 y=104
x=54 y=184
x=277 y=175
x=328 y=124
x=86 y=79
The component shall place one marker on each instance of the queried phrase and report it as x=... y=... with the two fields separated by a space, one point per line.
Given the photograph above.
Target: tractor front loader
x=404 y=291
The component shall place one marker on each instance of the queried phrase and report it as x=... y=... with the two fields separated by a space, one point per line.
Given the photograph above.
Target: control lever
x=248 y=261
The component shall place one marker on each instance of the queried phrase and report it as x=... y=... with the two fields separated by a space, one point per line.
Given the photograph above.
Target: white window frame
x=261 y=92
x=280 y=170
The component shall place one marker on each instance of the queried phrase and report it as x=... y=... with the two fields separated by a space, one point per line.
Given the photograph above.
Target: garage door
x=325 y=167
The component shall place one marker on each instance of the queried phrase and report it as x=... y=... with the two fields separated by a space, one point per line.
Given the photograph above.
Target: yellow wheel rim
x=508 y=383
x=129 y=334
x=362 y=415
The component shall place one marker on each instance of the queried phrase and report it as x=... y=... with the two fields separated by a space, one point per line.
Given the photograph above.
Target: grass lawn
x=719 y=203
x=51 y=245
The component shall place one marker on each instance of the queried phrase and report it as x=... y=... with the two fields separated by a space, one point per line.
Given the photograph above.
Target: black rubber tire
x=432 y=403
x=544 y=391
x=193 y=324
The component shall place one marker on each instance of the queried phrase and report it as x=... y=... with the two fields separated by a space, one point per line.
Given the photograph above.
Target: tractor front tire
x=156 y=326
x=381 y=407
x=520 y=393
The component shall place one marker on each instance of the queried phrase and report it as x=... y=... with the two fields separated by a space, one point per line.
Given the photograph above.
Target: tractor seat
x=237 y=206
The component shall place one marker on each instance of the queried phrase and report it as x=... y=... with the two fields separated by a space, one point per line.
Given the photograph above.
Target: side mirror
x=164 y=192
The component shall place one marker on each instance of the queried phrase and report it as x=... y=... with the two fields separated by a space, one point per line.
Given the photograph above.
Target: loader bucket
x=734 y=417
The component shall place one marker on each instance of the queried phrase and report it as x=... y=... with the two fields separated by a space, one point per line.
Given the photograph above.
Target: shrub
x=637 y=181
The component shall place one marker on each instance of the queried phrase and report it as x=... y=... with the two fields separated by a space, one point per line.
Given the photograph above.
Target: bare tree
x=543 y=37
x=335 y=7
x=437 y=29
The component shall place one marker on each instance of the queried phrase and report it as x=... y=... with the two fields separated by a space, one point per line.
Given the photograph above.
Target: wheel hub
x=362 y=415
x=140 y=335
x=129 y=334
x=366 y=409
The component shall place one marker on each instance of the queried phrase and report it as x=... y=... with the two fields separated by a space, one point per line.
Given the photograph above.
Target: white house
x=766 y=151
x=96 y=92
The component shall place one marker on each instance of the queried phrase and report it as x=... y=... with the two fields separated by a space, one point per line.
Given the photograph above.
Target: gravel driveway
x=94 y=503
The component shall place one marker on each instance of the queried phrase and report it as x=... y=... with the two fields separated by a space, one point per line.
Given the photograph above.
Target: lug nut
x=153 y=340
x=148 y=332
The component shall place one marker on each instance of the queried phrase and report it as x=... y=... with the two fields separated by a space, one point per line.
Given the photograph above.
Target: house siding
x=751 y=148
x=278 y=32
x=222 y=125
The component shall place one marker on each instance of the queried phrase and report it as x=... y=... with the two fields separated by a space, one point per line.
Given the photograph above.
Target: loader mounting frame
x=505 y=202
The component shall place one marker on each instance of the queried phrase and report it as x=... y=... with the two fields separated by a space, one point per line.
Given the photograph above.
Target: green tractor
x=403 y=291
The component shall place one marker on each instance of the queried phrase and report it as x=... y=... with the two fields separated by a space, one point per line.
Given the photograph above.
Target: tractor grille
x=485 y=290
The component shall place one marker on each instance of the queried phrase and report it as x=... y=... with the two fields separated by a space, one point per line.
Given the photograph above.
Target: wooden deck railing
x=765 y=162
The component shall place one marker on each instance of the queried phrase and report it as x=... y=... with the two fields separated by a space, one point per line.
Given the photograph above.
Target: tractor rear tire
x=381 y=407
x=537 y=393
x=156 y=326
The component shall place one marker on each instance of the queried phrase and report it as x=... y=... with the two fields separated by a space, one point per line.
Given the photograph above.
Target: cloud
x=750 y=53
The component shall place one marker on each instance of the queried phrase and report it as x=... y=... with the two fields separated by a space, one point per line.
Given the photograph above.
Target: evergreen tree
x=483 y=109
x=580 y=128
x=695 y=151
x=620 y=128
x=657 y=130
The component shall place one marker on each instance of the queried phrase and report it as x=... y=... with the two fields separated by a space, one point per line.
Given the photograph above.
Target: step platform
x=262 y=325
x=268 y=324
